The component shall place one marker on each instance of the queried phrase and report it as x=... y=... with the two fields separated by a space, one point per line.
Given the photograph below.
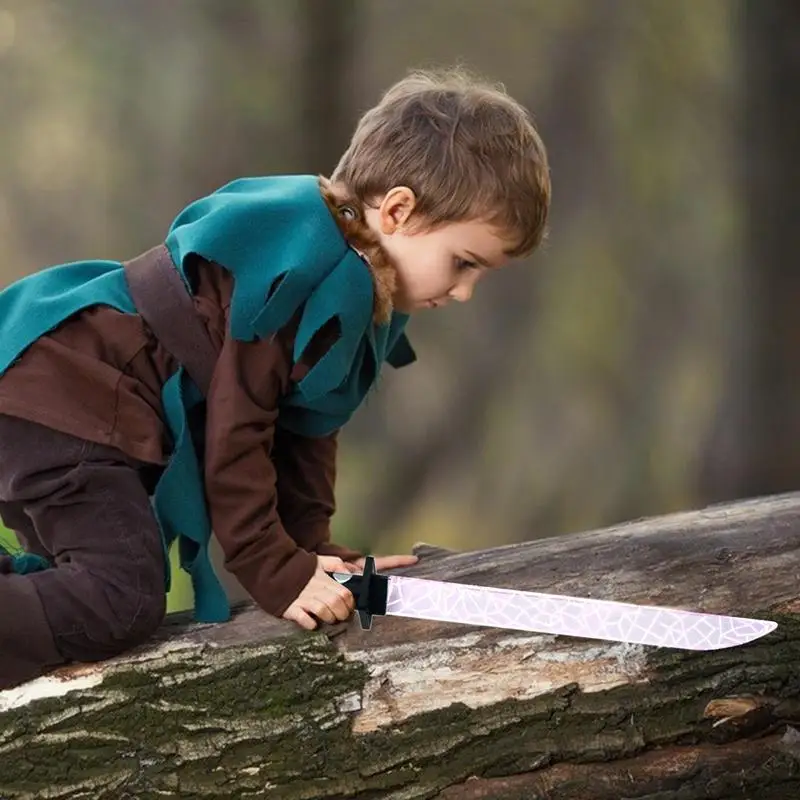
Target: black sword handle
x=369 y=589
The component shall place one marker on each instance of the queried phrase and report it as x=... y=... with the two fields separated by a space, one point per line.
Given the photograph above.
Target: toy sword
x=377 y=594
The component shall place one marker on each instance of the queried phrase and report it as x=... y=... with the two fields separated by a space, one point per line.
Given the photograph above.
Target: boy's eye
x=462 y=263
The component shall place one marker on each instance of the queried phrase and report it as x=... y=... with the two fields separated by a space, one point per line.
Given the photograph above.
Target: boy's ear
x=396 y=208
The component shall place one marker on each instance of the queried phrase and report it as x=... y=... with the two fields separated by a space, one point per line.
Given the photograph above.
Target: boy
x=202 y=384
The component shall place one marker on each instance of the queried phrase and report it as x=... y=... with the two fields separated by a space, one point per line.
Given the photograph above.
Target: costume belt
x=163 y=300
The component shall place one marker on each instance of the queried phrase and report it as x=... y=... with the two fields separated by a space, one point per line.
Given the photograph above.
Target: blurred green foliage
x=579 y=388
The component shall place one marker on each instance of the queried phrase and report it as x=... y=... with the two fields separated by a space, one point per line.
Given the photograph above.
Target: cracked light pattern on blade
x=569 y=616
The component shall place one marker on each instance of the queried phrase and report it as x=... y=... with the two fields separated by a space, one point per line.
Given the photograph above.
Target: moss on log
x=256 y=708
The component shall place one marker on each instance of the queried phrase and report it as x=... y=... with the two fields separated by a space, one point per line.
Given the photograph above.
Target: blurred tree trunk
x=756 y=449
x=328 y=46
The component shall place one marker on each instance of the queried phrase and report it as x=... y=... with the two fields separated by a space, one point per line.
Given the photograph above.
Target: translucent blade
x=568 y=616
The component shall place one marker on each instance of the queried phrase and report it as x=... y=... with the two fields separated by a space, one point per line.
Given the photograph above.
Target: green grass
x=7 y=539
x=179 y=597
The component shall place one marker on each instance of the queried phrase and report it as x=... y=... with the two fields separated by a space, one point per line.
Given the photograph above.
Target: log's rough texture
x=258 y=709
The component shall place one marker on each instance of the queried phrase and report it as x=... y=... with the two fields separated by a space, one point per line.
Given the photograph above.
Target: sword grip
x=369 y=589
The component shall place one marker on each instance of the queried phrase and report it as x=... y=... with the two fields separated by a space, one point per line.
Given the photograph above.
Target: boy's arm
x=306 y=490
x=240 y=477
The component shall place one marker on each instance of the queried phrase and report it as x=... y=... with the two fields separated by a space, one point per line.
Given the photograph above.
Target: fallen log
x=256 y=708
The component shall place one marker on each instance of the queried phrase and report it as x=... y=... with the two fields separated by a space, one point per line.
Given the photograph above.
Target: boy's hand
x=325 y=599
x=387 y=562
x=322 y=597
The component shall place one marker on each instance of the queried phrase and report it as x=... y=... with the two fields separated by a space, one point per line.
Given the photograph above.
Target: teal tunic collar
x=278 y=238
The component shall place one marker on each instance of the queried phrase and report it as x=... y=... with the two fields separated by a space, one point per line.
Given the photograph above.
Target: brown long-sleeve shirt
x=99 y=376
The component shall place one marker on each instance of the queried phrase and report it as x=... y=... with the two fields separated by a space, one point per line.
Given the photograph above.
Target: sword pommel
x=369 y=589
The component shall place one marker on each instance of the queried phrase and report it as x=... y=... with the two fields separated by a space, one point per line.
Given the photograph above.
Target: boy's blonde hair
x=466 y=149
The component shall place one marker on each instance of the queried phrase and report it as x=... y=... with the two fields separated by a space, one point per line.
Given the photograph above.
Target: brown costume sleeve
x=240 y=476
x=306 y=490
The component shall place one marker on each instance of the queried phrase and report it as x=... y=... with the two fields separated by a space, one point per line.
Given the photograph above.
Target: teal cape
x=277 y=236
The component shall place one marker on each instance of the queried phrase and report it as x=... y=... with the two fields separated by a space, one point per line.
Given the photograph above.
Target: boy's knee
x=125 y=618
x=146 y=620
x=134 y=618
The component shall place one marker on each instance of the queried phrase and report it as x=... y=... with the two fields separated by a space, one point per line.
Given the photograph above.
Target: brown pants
x=85 y=507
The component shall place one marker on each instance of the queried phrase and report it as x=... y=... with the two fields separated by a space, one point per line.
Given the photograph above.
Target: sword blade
x=564 y=615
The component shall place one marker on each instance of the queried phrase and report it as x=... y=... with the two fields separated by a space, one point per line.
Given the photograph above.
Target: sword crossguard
x=369 y=589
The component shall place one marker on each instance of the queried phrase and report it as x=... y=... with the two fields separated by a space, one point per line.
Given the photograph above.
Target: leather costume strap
x=163 y=301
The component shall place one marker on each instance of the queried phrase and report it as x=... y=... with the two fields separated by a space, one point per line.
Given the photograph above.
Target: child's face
x=434 y=266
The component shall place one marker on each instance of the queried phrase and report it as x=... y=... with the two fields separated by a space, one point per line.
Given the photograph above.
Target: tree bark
x=256 y=708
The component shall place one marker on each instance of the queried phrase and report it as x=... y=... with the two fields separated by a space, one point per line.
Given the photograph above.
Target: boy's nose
x=462 y=292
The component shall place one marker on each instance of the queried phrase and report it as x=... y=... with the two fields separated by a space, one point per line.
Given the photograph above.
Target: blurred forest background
x=643 y=362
